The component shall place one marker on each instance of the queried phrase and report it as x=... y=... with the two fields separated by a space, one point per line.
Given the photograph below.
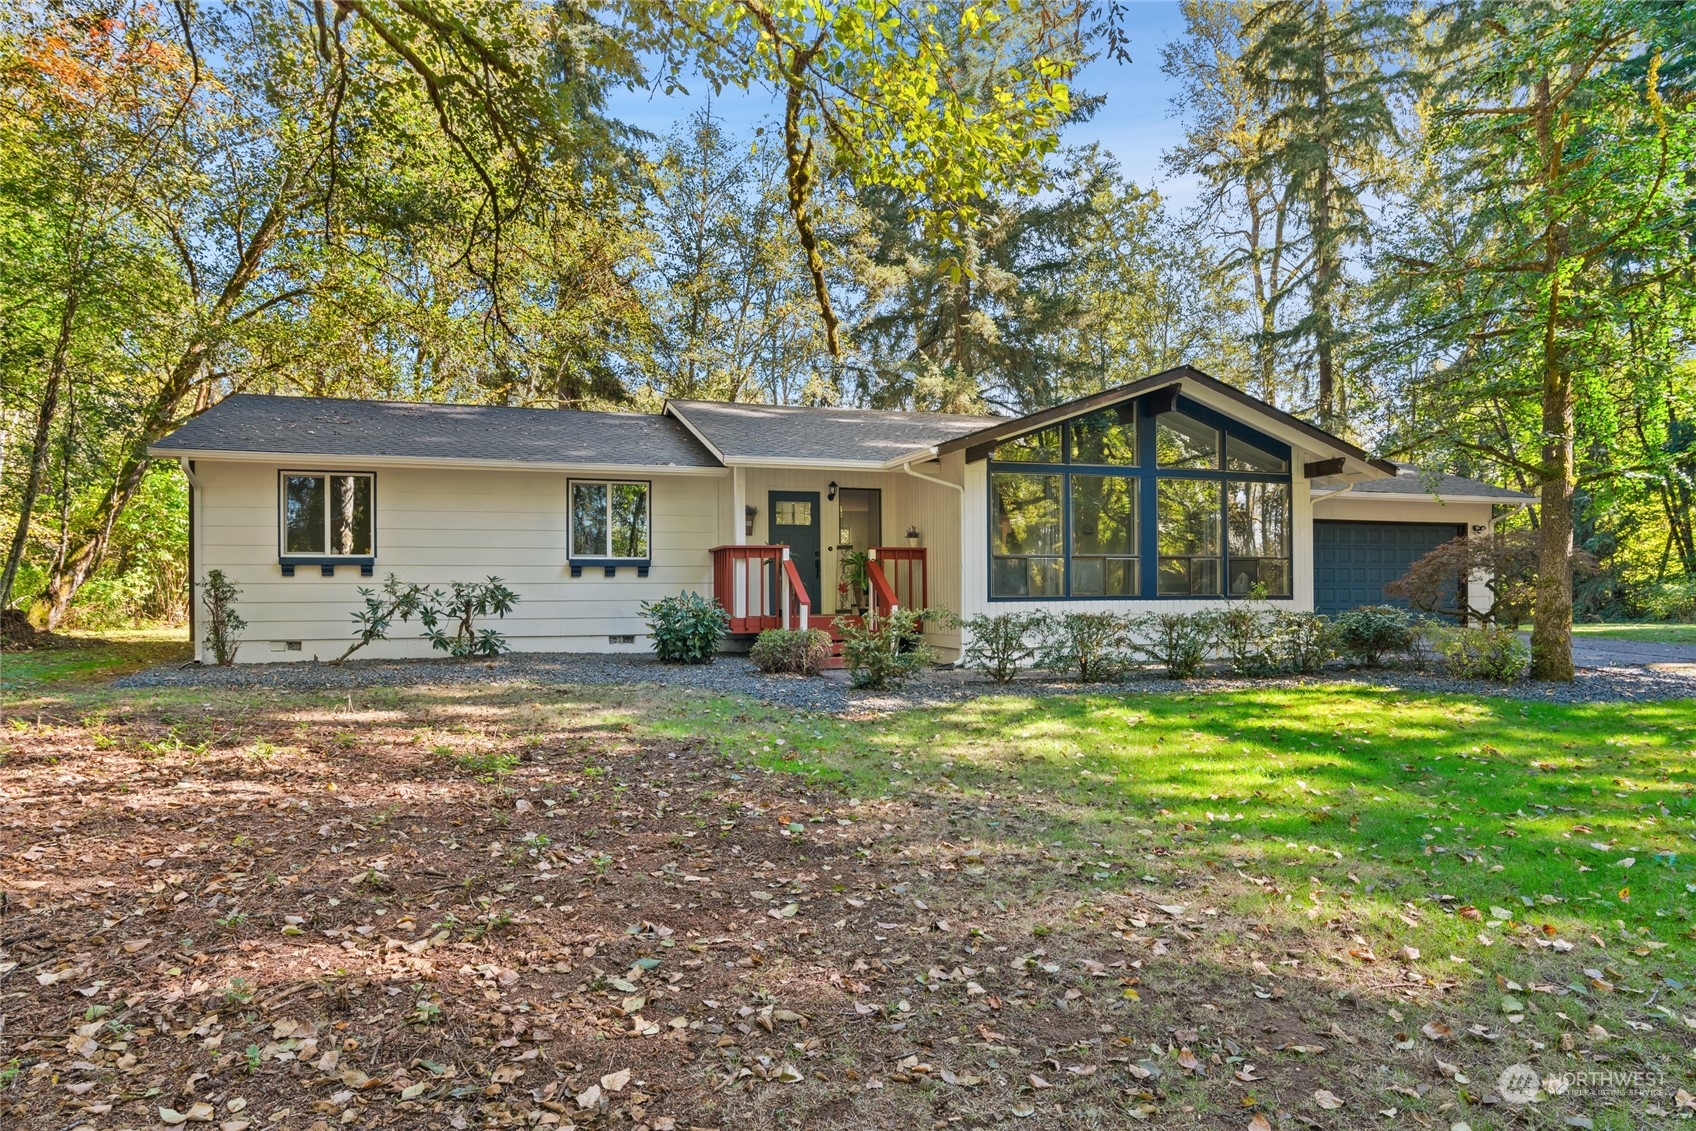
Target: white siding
x=436 y=526
x=907 y=501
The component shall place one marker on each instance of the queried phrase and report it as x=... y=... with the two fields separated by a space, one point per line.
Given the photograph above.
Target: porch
x=760 y=587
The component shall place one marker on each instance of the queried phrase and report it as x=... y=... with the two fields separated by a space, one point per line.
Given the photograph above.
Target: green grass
x=1651 y=633
x=78 y=656
x=1391 y=810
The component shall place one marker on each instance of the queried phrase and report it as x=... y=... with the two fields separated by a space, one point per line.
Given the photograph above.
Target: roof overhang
x=1358 y=464
x=1325 y=495
x=376 y=462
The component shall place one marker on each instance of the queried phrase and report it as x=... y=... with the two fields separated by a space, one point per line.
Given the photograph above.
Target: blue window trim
x=326 y=563
x=1148 y=476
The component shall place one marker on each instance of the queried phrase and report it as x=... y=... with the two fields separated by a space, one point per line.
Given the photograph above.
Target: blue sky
x=1135 y=124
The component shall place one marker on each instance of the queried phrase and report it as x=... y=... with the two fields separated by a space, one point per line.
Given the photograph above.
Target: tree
x=1568 y=164
x=1318 y=73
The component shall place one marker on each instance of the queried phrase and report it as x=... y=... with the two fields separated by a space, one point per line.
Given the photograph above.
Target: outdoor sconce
x=748 y=528
x=831 y=492
x=1478 y=529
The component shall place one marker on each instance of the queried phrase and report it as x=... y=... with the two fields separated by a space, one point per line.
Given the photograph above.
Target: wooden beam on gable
x=1320 y=468
x=1161 y=400
x=980 y=451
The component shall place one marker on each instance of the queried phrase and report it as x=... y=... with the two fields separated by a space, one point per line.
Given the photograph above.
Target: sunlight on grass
x=1651 y=633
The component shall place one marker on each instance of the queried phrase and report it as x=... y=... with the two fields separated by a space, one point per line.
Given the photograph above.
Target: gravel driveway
x=1606 y=652
x=1597 y=683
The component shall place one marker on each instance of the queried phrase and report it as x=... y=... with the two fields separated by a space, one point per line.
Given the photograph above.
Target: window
x=1104 y=536
x=1257 y=516
x=1188 y=511
x=609 y=521
x=1108 y=437
x=328 y=515
x=1183 y=442
x=1034 y=447
x=1028 y=537
x=792 y=512
x=1240 y=455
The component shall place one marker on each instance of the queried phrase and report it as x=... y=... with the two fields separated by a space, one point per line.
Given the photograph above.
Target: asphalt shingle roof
x=821 y=435
x=320 y=426
x=1410 y=480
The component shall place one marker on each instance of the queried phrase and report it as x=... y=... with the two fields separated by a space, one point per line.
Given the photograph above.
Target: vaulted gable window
x=1124 y=503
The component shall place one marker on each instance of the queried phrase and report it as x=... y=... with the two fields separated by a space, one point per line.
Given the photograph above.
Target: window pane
x=1273 y=573
x=350 y=514
x=1180 y=441
x=1104 y=577
x=1027 y=535
x=791 y=512
x=1106 y=437
x=629 y=520
x=303 y=514
x=1240 y=455
x=1037 y=447
x=1259 y=518
x=1188 y=533
x=589 y=520
x=1104 y=514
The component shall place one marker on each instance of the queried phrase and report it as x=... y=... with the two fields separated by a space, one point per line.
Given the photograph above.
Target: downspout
x=193 y=536
x=1343 y=490
x=908 y=468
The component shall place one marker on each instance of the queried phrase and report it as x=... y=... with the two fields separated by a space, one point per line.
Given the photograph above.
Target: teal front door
x=795 y=520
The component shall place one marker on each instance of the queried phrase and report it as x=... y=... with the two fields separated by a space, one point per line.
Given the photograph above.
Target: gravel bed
x=831 y=694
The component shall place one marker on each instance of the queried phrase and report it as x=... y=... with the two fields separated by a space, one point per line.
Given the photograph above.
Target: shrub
x=1434 y=583
x=1371 y=632
x=687 y=628
x=396 y=599
x=1094 y=645
x=1002 y=642
x=1302 y=642
x=1245 y=634
x=1490 y=652
x=883 y=651
x=801 y=651
x=1422 y=643
x=1179 y=642
x=1669 y=600
x=219 y=595
x=467 y=601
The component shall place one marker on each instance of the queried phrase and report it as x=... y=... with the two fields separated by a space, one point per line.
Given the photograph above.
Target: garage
x=1353 y=561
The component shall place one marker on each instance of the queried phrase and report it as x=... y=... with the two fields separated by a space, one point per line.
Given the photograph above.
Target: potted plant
x=913 y=536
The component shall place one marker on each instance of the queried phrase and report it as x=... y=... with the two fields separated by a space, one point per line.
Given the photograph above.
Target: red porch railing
x=904 y=572
x=760 y=588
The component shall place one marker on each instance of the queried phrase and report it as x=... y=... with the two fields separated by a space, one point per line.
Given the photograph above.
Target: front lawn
x=528 y=905
x=85 y=655
x=1647 y=633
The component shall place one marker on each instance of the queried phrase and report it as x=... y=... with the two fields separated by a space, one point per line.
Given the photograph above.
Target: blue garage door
x=1352 y=561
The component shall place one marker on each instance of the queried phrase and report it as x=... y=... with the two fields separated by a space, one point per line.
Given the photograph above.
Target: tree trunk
x=38 y=451
x=798 y=158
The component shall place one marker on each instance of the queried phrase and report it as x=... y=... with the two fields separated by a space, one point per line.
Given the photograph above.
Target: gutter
x=193 y=536
x=908 y=468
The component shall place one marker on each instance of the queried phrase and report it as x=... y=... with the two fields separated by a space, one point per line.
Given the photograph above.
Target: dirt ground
x=485 y=907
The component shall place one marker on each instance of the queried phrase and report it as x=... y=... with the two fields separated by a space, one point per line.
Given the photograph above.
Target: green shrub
x=1371 y=632
x=1179 y=642
x=800 y=651
x=1001 y=643
x=219 y=594
x=1094 y=645
x=1302 y=642
x=1488 y=652
x=1245 y=637
x=883 y=651
x=397 y=598
x=1422 y=643
x=687 y=628
x=1669 y=600
x=460 y=607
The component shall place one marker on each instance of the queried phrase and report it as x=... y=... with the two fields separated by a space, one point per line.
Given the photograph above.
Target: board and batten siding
x=436 y=525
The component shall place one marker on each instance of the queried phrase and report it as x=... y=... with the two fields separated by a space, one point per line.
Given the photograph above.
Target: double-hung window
x=1176 y=502
x=610 y=521
x=328 y=514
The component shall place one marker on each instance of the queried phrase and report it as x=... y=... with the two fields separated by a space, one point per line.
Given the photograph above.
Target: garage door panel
x=1353 y=561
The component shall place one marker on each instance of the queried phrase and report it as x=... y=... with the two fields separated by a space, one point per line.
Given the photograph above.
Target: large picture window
x=1028 y=540
x=327 y=515
x=1125 y=502
x=609 y=521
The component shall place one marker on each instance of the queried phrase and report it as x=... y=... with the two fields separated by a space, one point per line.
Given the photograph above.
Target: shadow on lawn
x=473 y=904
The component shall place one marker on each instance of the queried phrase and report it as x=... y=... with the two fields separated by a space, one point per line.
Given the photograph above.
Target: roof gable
x=763 y=434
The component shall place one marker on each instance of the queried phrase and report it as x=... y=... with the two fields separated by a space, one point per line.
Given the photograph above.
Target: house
x=1174 y=492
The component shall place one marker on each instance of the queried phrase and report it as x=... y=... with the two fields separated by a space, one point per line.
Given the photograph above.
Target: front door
x=795 y=523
